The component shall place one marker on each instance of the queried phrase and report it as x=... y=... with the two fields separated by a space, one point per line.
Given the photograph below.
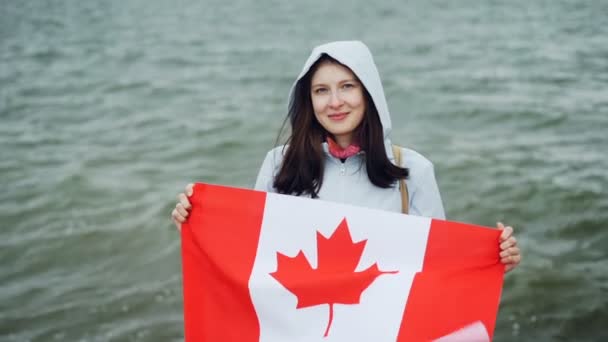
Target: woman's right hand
x=182 y=208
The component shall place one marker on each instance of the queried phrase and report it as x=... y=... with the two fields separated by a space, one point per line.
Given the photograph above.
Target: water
x=107 y=109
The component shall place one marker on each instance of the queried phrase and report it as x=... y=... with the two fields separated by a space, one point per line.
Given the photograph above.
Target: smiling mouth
x=337 y=116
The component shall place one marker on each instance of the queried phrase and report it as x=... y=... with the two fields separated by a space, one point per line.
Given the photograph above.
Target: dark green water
x=108 y=108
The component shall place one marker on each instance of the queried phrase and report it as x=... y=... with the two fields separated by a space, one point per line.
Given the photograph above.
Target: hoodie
x=347 y=182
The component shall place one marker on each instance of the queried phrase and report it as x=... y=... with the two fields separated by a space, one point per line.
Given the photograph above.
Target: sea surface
x=108 y=108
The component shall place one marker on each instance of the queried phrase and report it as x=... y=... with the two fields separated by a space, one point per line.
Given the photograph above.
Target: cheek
x=354 y=98
x=358 y=103
x=318 y=104
x=358 y=100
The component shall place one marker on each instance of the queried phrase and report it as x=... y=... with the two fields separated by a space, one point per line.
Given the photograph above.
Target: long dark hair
x=303 y=162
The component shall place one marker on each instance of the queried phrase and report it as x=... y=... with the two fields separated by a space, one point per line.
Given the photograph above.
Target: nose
x=335 y=101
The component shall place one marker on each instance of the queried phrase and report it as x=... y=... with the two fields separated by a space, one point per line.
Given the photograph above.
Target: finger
x=500 y=226
x=516 y=259
x=511 y=259
x=190 y=189
x=507 y=260
x=177 y=216
x=183 y=200
x=506 y=233
x=177 y=224
x=509 y=251
x=509 y=267
x=512 y=241
x=181 y=210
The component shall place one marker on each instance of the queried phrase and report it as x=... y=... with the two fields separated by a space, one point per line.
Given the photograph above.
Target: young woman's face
x=337 y=100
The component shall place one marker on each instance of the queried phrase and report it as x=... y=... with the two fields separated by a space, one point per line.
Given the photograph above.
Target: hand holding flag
x=257 y=266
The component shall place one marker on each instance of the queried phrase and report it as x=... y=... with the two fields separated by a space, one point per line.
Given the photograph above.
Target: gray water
x=108 y=108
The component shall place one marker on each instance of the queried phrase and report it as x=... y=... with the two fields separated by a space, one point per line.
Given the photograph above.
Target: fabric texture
x=342 y=153
x=312 y=270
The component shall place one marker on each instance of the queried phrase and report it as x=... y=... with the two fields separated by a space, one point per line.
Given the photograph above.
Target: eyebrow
x=344 y=81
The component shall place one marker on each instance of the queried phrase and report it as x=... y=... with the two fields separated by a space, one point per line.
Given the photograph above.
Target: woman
x=339 y=148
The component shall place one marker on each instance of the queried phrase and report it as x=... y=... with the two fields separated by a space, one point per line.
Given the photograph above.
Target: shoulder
x=414 y=160
x=274 y=157
x=425 y=199
x=276 y=154
x=278 y=150
x=270 y=167
x=421 y=169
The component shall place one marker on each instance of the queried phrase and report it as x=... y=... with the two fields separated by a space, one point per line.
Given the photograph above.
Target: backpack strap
x=402 y=186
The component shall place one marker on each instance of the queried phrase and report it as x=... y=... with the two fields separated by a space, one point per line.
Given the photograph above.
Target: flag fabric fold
x=267 y=267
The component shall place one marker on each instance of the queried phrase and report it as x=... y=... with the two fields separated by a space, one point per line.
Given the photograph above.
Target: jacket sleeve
x=265 y=177
x=425 y=199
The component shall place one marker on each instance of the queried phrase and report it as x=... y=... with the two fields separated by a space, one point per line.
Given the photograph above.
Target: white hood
x=345 y=182
x=356 y=56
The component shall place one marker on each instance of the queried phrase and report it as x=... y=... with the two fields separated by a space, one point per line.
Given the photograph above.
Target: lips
x=338 y=116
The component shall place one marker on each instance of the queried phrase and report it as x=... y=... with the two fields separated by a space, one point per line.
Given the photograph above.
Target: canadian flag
x=267 y=267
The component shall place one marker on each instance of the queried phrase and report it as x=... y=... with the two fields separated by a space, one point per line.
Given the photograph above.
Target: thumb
x=190 y=189
x=500 y=225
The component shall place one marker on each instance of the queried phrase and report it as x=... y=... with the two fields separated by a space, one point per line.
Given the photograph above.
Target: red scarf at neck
x=342 y=153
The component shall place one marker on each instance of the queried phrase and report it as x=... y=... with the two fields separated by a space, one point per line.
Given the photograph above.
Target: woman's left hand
x=509 y=252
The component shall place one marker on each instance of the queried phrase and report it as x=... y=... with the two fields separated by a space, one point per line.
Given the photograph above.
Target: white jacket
x=348 y=182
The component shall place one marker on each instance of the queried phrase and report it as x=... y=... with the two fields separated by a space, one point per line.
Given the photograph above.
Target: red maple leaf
x=334 y=280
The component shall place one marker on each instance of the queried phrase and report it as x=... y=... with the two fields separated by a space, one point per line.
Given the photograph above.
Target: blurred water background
x=108 y=108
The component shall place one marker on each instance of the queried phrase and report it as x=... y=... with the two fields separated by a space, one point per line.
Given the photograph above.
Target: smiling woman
x=332 y=114
x=340 y=149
